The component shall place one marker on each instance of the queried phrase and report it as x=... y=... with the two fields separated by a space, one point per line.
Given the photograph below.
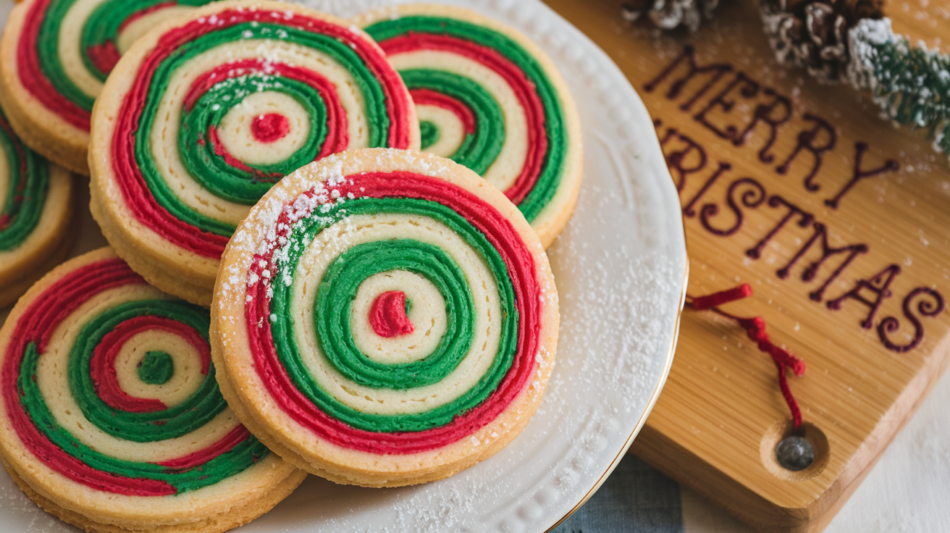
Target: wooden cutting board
x=838 y=221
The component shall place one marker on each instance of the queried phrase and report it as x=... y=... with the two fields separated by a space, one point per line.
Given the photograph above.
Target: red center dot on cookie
x=270 y=127
x=388 y=317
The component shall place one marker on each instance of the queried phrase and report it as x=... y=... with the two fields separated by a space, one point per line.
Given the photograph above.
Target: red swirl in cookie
x=109 y=395
x=218 y=108
x=396 y=310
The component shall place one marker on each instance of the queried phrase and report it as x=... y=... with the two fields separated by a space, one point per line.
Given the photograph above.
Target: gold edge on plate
x=668 y=364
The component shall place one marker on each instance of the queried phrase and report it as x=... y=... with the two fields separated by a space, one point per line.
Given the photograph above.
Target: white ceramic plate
x=621 y=273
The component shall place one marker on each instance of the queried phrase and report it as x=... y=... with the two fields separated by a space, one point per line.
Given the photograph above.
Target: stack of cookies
x=364 y=206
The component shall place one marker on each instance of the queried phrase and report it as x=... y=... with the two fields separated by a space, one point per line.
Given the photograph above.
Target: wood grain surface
x=840 y=223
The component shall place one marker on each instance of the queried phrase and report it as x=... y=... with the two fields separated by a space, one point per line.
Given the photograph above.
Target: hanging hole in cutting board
x=786 y=428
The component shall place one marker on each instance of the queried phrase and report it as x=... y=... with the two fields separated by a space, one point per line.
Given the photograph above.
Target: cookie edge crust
x=39 y=128
x=138 y=250
x=137 y=244
x=553 y=218
x=247 y=395
x=275 y=478
x=225 y=520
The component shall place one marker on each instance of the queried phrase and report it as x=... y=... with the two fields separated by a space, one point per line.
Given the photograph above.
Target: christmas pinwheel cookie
x=112 y=417
x=488 y=98
x=205 y=113
x=55 y=56
x=384 y=318
x=36 y=208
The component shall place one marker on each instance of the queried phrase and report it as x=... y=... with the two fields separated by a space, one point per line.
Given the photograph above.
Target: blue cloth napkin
x=635 y=498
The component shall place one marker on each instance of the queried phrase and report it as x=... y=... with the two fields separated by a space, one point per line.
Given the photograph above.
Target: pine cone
x=669 y=14
x=814 y=34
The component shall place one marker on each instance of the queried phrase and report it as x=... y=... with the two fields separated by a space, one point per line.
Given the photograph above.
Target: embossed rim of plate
x=668 y=364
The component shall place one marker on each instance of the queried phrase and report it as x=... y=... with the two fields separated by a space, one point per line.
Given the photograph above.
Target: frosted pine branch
x=910 y=84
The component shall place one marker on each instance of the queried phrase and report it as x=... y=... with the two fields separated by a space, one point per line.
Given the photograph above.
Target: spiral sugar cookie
x=204 y=115
x=56 y=55
x=36 y=207
x=112 y=417
x=384 y=318
x=490 y=99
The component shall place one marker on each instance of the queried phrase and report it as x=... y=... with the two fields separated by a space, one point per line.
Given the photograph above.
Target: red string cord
x=755 y=329
x=717 y=298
